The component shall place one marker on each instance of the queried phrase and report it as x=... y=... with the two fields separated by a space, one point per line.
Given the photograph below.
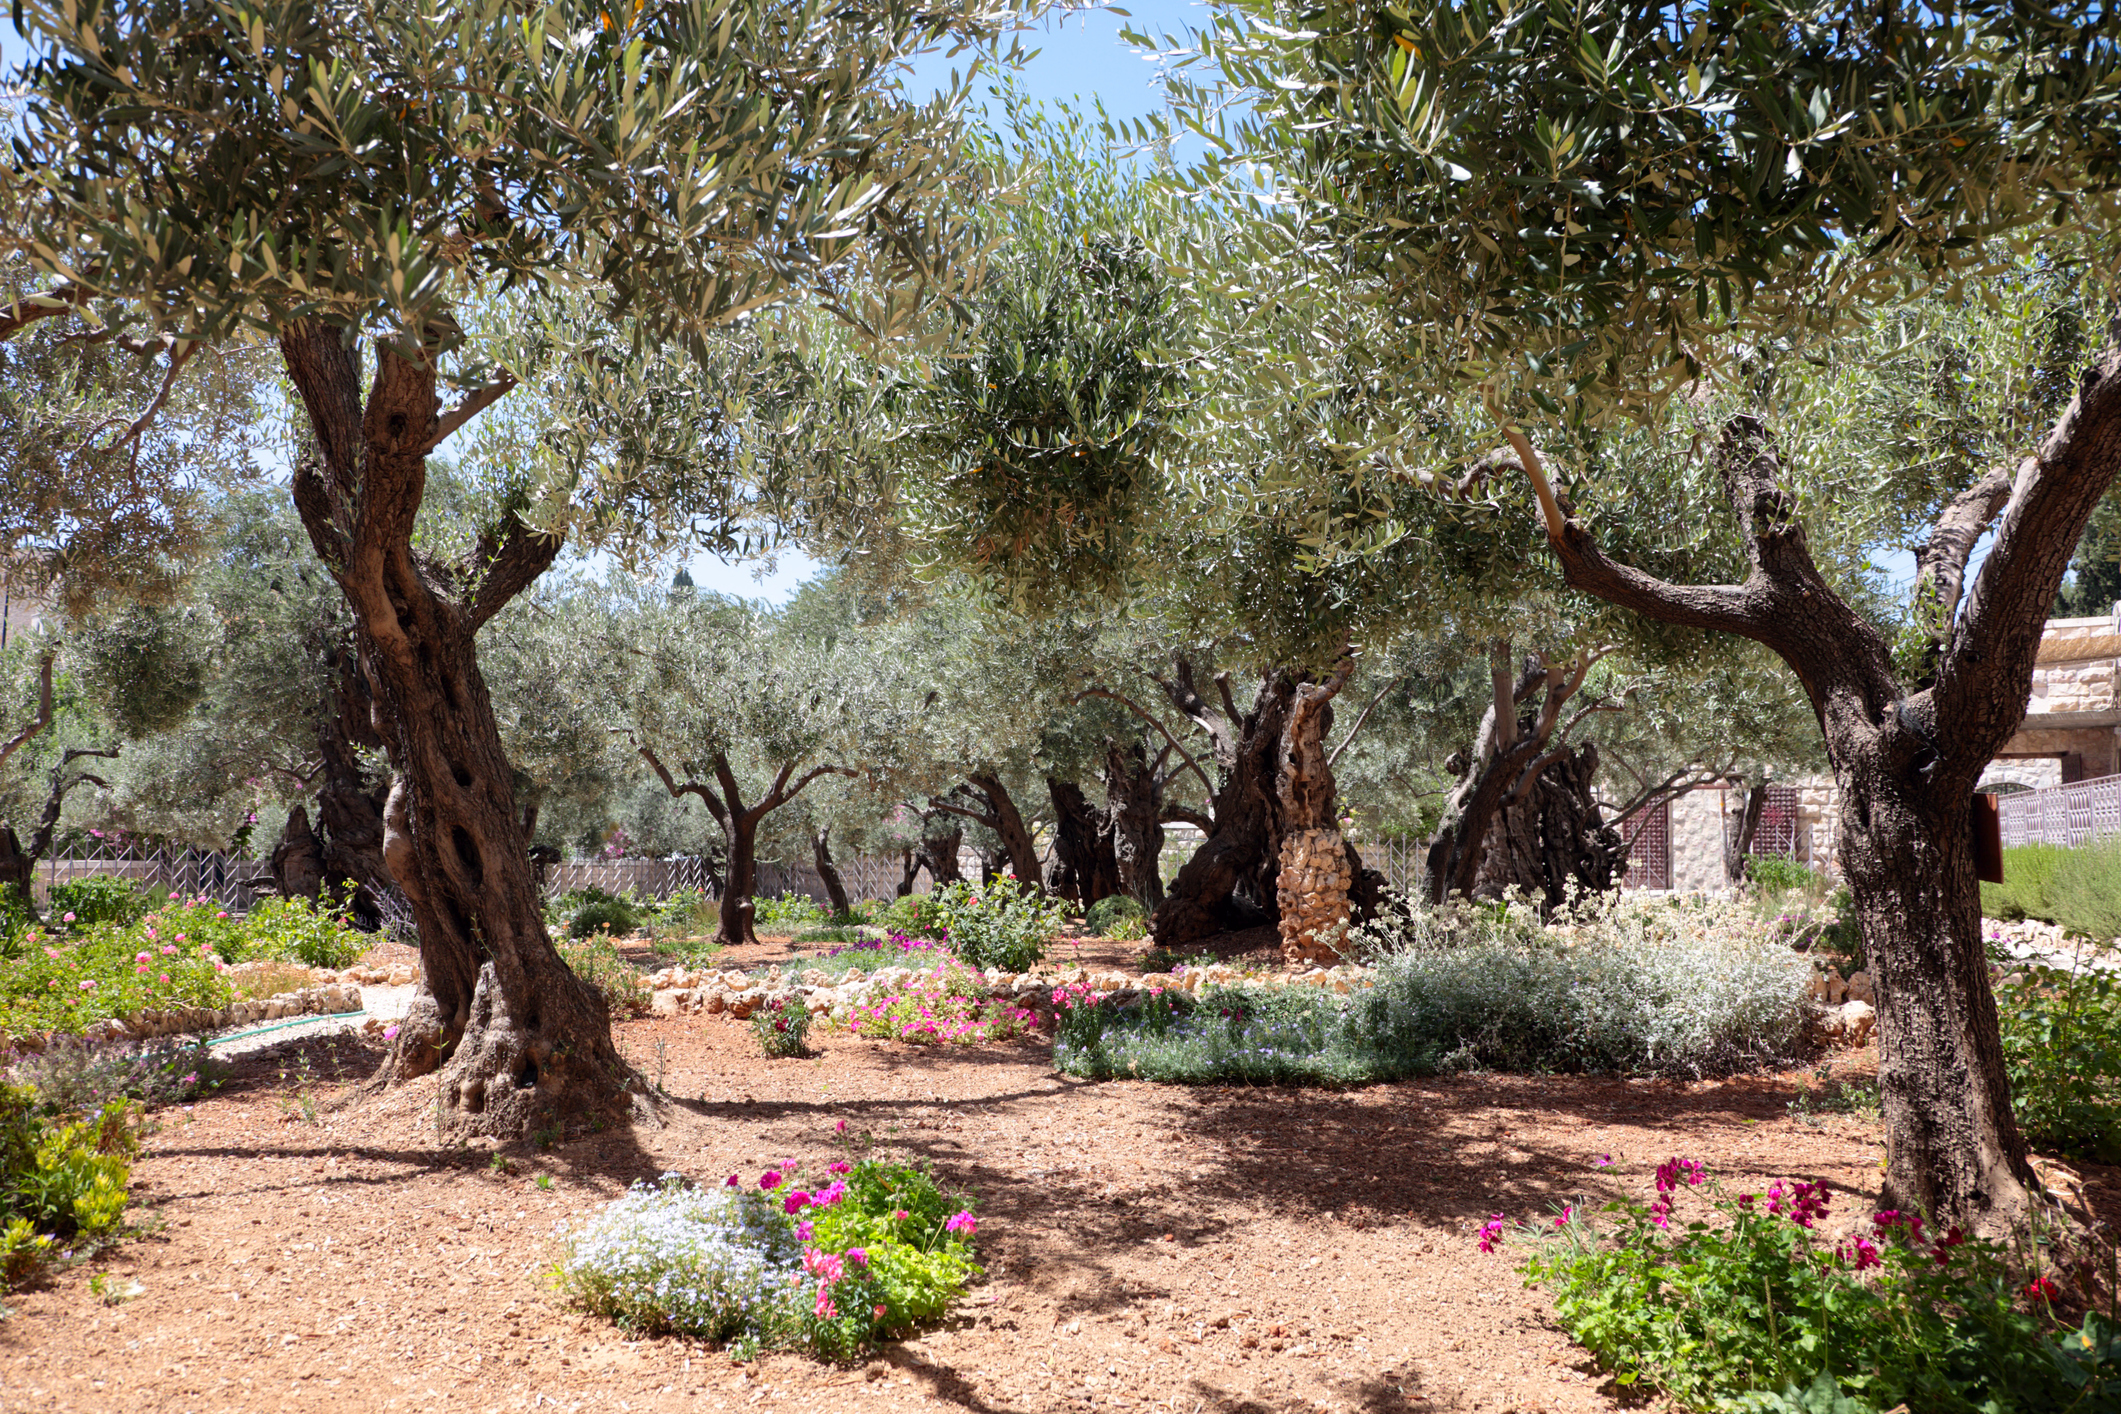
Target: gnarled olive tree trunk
x=1084 y=868
x=1552 y=833
x=1908 y=734
x=984 y=799
x=828 y=872
x=521 y=1042
x=1738 y=833
x=1134 y=804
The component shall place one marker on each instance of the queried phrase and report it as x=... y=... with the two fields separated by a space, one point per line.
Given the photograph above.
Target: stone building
x=2071 y=732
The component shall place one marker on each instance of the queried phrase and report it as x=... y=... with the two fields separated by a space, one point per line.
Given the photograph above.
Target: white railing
x=2062 y=815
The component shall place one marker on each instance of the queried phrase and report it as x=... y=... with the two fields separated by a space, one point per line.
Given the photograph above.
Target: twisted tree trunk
x=1134 y=801
x=521 y=1042
x=1084 y=868
x=986 y=801
x=1738 y=833
x=1908 y=733
x=1230 y=880
x=835 y=889
x=1551 y=834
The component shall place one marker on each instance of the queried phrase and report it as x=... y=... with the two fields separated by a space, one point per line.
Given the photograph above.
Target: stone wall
x=1312 y=891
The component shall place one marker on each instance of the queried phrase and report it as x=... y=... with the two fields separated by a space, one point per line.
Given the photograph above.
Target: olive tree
x=1574 y=213
x=377 y=173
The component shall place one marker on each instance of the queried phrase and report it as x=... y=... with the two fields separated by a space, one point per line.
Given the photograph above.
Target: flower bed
x=948 y=1005
x=828 y=1267
x=178 y=967
x=1754 y=1305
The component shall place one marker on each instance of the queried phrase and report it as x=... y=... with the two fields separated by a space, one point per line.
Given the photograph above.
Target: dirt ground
x=1148 y=1247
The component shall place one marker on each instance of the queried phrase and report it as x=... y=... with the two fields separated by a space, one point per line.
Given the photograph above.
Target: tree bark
x=1511 y=751
x=739 y=908
x=913 y=861
x=1738 y=833
x=1552 y=834
x=298 y=859
x=1134 y=801
x=1084 y=869
x=1906 y=756
x=349 y=811
x=1230 y=880
x=984 y=799
x=939 y=853
x=520 y=1041
x=835 y=889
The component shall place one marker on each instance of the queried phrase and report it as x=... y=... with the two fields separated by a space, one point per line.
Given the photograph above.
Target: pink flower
x=1491 y=1232
x=825 y=1310
x=1604 y=1161
x=803 y=1231
x=140 y=957
x=141 y=970
x=732 y=1183
x=857 y=1256
x=840 y=1128
x=88 y=984
x=173 y=896
x=795 y=1202
x=163 y=979
x=824 y=1266
x=964 y=1223
x=222 y=914
x=390 y=1033
x=170 y=949
x=769 y=1180
x=1562 y=1219
x=842 y=1167
x=899 y=1216
x=66 y=918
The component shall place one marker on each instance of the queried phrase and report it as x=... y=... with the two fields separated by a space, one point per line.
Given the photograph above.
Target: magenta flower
x=840 y=1128
x=770 y=1180
x=795 y=1202
x=1603 y=1161
x=732 y=1183
x=390 y=1033
x=1562 y=1219
x=842 y=1167
x=857 y=1256
x=1491 y=1232
x=803 y=1231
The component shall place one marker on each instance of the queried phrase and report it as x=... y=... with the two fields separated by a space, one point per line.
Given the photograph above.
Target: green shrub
x=2027 y=890
x=915 y=915
x=686 y=913
x=61 y=1179
x=100 y=898
x=2086 y=890
x=830 y=1268
x=1119 y=916
x=1632 y=986
x=596 y=960
x=1776 y=874
x=590 y=909
x=787 y=914
x=2062 y=1051
x=781 y=1027
x=298 y=930
x=829 y=935
x=1003 y=924
x=16 y=919
x=1751 y=1309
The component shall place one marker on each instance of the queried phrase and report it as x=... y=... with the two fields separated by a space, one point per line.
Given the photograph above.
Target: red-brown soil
x=1148 y=1247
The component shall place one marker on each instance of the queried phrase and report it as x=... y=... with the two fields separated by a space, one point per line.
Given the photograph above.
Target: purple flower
x=803 y=1231
x=1604 y=1161
x=732 y=1183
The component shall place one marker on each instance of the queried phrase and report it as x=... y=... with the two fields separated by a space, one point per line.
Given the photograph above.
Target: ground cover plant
x=1118 y=916
x=947 y=1004
x=1620 y=986
x=1750 y=1306
x=590 y=910
x=74 y=1074
x=828 y=1267
x=790 y=913
x=63 y=1178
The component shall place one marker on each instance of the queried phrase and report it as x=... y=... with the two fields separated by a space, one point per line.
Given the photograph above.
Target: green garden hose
x=293 y=1021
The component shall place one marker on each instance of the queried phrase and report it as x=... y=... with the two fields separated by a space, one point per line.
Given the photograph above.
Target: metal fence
x=2061 y=815
x=660 y=878
x=1398 y=860
x=229 y=880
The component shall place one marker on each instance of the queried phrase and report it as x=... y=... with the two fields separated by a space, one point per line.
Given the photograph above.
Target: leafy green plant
x=1119 y=916
x=790 y=913
x=829 y=935
x=299 y=930
x=915 y=915
x=590 y=910
x=99 y=898
x=16 y=918
x=2062 y=1051
x=2086 y=891
x=596 y=960
x=781 y=1026
x=685 y=914
x=61 y=1179
x=1749 y=1308
x=1773 y=873
x=1002 y=924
